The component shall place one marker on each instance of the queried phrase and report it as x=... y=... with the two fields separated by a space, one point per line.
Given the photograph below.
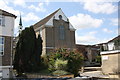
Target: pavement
x=97 y=74
x=94 y=72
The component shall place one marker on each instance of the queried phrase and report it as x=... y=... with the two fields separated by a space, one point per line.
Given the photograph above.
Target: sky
x=95 y=22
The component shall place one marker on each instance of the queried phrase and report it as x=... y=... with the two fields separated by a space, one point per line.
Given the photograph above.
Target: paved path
x=94 y=72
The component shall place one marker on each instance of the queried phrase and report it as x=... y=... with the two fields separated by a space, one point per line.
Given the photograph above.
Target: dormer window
x=60 y=17
x=2 y=21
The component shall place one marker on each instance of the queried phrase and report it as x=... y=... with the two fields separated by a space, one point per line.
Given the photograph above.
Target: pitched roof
x=45 y=20
x=5 y=13
x=116 y=38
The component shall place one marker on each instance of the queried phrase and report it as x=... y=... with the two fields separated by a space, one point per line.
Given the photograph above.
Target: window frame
x=2 y=44
x=2 y=21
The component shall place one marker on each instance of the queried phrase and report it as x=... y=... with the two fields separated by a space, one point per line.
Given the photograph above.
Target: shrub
x=66 y=60
x=74 y=62
x=61 y=64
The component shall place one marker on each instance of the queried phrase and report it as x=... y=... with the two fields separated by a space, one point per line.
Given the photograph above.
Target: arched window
x=61 y=32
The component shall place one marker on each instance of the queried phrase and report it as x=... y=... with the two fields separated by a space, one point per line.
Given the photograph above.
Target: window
x=2 y=21
x=60 y=17
x=1 y=46
x=61 y=32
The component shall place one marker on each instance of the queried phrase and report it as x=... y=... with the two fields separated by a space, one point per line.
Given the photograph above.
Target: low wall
x=48 y=76
x=111 y=62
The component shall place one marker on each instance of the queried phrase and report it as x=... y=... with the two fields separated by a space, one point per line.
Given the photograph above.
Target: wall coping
x=110 y=52
x=4 y=67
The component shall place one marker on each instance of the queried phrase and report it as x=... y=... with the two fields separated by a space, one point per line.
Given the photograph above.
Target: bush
x=61 y=64
x=63 y=59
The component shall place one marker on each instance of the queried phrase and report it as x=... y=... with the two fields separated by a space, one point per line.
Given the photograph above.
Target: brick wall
x=6 y=58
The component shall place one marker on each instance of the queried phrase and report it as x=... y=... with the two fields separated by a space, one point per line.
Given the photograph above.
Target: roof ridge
x=46 y=19
x=6 y=13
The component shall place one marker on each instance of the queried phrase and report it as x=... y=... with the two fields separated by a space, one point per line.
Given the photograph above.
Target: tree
x=38 y=48
x=27 y=55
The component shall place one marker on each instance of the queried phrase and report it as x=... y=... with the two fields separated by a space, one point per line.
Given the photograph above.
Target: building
x=111 y=58
x=113 y=44
x=56 y=32
x=6 y=37
x=90 y=53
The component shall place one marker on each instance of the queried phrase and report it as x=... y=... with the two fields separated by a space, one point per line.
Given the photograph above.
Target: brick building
x=56 y=32
x=6 y=37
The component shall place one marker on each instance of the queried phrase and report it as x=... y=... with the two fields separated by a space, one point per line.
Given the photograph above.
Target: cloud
x=19 y=3
x=107 y=30
x=90 y=38
x=85 y=21
x=114 y=21
x=38 y=8
x=47 y=2
x=100 y=7
x=94 y=0
x=4 y=6
x=30 y=17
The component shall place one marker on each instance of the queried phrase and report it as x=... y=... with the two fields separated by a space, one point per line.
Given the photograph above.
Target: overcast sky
x=95 y=22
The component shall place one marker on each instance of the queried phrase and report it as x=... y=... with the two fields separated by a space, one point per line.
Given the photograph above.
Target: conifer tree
x=28 y=51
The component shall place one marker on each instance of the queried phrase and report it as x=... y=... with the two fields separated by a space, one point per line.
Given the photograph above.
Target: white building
x=111 y=58
x=6 y=38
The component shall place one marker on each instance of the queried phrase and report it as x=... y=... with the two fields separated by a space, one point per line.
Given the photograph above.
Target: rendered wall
x=111 y=63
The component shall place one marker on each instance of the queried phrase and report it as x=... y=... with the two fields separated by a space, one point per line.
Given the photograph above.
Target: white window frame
x=2 y=46
x=2 y=18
